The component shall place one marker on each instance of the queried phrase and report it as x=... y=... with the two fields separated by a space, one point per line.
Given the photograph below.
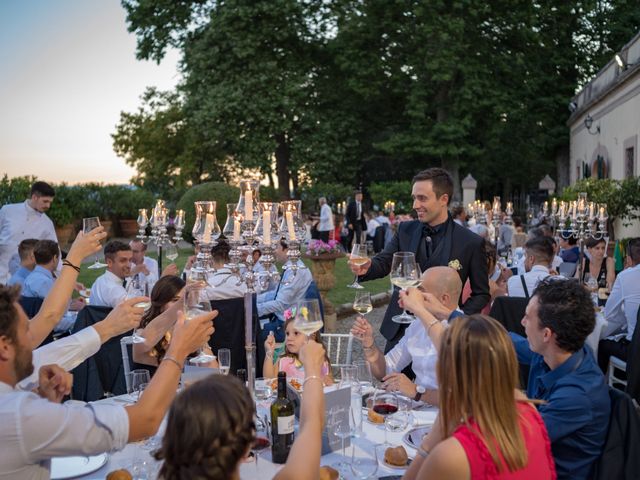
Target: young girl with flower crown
x=286 y=359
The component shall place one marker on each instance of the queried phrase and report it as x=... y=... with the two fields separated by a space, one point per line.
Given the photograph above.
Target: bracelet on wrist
x=67 y=263
x=310 y=377
x=173 y=359
x=432 y=324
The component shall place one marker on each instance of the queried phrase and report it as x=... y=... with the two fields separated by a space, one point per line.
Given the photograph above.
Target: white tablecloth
x=135 y=455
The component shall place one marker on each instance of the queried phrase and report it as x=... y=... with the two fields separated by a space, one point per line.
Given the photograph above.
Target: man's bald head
x=444 y=283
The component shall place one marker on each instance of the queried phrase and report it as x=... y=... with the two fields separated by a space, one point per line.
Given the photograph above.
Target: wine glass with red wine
x=261 y=441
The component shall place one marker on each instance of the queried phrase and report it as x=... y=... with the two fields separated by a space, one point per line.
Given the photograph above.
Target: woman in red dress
x=486 y=428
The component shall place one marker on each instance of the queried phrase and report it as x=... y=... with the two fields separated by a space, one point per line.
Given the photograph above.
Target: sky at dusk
x=67 y=70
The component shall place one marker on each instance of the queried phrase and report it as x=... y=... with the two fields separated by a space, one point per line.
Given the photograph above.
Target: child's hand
x=270 y=343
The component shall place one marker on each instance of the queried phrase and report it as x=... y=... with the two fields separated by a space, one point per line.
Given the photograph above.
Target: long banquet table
x=135 y=457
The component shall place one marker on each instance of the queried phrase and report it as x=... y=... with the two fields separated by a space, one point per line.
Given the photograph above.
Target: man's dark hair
x=220 y=252
x=566 y=308
x=633 y=250
x=456 y=211
x=440 y=179
x=545 y=230
x=113 y=247
x=571 y=240
x=8 y=312
x=541 y=248
x=535 y=232
x=517 y=221
x=26 y=247
x=45 y=250
x=42 y=189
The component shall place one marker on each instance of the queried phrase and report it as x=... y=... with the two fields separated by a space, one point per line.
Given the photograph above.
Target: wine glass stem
x=343 y=447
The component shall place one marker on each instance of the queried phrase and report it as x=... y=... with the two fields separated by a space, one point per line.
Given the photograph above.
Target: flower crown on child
x=290 y=313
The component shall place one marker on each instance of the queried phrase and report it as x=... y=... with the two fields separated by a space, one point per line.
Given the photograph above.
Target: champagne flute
x=171 y=252
x=339 y=426
x=362 y=303
x=308 y=319
x=405 y=273
x=89 y=224
x=136 y=288
x=358 y=257
x=195 y=304
x=224 y=360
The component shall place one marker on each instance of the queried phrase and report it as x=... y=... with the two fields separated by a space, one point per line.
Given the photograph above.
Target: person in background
x=565 y=375
x=570 y=251
x=356 y=222
x=27 y=261
x=621 y=309
x=505 y=235
x=538 y=254
x=221 y=283
x=19 y=221
x=211 y=429
x=485 y=427
x=325 y=225
x=598 y=266
x=145 y=267
x=372 y=226
x=459 y=214
x=498 y=276
x=541 y=231
x=109 y=288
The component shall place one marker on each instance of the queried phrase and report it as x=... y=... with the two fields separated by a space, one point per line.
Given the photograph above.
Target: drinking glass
x=263 y=389
x=358 y=257
x=89 y=224
x=365 y=464
x=340 y=426
x=196 y=303
x=592 y=285
x=363 y=372
x=224 y=360
x=362 y=303
x=138 y=288
x=171 y=252
x=308 y=318
x=349 y=378
x=396 y=422
x=139 y=378
x=385 y=404
x=263 y=434
x=405 y=273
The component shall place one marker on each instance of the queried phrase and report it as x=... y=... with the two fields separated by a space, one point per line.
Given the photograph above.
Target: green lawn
x=339 y=295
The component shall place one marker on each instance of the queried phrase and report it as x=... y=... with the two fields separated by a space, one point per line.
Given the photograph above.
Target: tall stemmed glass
x=137 y=288
x=308 y=318
x=362 y=303
x=358 y=257
x=339 y=425
x=405 y=273
x=195 y=304
x=89 y=224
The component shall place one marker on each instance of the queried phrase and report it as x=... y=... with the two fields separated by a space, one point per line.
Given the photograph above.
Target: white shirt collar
x=112 y=277
x=30 y=209
x=6 y=388
x=539 y=268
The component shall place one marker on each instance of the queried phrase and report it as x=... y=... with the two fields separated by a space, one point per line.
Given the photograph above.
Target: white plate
x=414 y=437
x=70 y=467
x=396 y=467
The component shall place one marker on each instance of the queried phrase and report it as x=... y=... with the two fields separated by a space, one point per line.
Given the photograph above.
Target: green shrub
x=399 y=192
x=220 y=192
x=15 y=190
x=335 y=193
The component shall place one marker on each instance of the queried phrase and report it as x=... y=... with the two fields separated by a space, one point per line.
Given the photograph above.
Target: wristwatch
x=419 y=391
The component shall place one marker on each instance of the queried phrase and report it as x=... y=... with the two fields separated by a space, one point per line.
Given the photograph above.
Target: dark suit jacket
x=352 y=213
x=465 y=246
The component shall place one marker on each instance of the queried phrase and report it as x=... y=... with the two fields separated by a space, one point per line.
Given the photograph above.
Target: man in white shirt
x=325 y=226
x=145 y=267
x=538 y=255
x=109 y=288
x=621 y=309
x=35 y=427
x=443 y=286
x=19 y=221
x=222 y=284
x=541 y=231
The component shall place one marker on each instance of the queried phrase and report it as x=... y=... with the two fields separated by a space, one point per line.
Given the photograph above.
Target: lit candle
x=208 y=226
x=602 y=215
x=248 y=206
x=291 y=230
x=179 y=220
x=266 y=227
x=236 y=229
x=592 y=209
x=554 y=206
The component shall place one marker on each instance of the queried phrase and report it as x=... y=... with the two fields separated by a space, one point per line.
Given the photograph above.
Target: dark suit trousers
x=324 y=236
x=609 y=348
x=355 y=232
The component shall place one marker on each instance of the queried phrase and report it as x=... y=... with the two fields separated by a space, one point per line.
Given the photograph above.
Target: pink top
x=540 y=464
x=294 y=368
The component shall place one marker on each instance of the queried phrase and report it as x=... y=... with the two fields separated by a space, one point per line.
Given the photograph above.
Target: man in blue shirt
x=27 y=261
x=565 y=374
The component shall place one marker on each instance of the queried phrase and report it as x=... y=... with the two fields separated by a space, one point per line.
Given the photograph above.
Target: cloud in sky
x=68 y=69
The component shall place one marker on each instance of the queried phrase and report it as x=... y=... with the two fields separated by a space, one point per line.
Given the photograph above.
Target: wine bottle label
x=285 y=425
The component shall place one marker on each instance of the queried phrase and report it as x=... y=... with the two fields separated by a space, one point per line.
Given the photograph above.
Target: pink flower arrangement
x=318 y=247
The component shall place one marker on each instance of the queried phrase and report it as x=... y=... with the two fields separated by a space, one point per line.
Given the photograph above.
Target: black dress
x=602 y=279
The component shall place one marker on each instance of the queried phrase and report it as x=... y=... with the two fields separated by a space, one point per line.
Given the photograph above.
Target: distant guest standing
x=325 y=226
x=19 y=221
x=356 y=222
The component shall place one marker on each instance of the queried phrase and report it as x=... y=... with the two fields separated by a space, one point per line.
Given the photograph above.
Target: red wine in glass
x=260 y=443
x=385 y=408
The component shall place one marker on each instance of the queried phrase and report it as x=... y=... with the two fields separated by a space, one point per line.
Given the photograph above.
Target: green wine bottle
x=282 y=422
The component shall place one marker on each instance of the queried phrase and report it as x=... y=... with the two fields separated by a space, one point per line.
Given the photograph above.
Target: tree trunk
x=563 y=167
x=449 y=163
x=283 y=155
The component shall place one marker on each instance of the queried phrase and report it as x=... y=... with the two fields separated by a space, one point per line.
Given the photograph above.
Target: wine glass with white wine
x=138 y=288
x=362 y=303
x=89 y=224
x=195 y=304
x=308 y=318
x=171 y=252
x=405 y=273
x=358 y=257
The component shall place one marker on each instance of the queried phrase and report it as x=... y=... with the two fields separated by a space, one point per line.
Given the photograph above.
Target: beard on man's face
x=23 y=362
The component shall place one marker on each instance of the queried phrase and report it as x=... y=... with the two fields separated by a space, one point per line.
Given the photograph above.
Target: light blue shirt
x=19 y=276
x=621 y=309
x=38 y=283
x=291 y=290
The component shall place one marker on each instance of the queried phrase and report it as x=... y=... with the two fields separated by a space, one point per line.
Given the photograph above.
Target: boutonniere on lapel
x=455 y=264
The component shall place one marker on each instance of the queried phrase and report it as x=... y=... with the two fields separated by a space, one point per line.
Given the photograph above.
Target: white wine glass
x=171 y=252
x=405 y=273
x=138 y=288
x=89 y=224
x=364 y=464
x=224 y=360
x=358 y=257
x=308 y=318
x=139 y=378
x=195 y=304
x=339 y=426
x=362 y=303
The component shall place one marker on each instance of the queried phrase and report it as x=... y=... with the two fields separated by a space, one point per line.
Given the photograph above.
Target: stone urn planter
x=65 y=234
x=128 y=227
x=322 y=269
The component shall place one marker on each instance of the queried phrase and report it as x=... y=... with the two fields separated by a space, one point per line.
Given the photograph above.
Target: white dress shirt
x=326 y=219
x=415 y=346
x=372 y=225
x=152 y=266
x=67 y=352
x=223 y=285
x=34 y=430
x=554 y=264
x=621 y=309
x=107 y=291
x=531 y=279
x=282 y=297
x=18 y=221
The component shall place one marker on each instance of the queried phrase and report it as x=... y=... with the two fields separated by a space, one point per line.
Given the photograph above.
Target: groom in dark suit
x=436 y=240
x=356 y=222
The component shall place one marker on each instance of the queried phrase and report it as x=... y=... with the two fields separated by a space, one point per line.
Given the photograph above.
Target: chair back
x=509 y=312
x=31 y=305
x=126 y=365
x=567 y=269
x=339 y=347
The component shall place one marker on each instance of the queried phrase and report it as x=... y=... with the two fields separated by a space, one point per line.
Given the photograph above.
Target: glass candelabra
x=159 y=223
